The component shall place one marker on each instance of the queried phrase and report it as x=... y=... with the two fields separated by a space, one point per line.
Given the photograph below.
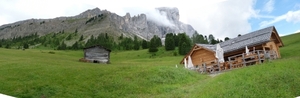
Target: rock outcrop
x=95 y=21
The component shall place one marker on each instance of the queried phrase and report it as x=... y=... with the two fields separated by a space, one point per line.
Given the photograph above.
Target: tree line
x=62 y=40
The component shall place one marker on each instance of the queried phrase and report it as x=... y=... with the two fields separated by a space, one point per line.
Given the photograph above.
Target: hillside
x=49 y=73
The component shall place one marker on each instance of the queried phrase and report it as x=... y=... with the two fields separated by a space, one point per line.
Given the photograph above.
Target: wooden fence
x=236 y=61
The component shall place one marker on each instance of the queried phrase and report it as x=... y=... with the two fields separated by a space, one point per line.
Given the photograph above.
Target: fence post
x=219 y=66
x=258 y=57
x=229 y=58
x=244 y=62
x=204 y=67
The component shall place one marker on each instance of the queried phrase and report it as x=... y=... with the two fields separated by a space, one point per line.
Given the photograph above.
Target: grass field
x=36 y=73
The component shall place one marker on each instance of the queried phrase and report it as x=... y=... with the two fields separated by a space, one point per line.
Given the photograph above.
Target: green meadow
x=42 y=73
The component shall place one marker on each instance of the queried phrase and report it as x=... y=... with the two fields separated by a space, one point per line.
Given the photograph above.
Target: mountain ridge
x=95 y=21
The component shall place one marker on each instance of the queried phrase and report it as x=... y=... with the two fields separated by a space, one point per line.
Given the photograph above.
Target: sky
x=222 y=18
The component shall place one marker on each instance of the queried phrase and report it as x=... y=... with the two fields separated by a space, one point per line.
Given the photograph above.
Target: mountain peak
x=89 y=13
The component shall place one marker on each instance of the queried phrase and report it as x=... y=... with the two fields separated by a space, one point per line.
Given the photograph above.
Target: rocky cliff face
x=95 y=21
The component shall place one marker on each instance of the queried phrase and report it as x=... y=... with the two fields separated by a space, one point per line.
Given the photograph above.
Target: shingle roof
x=97 y=46
x=208 y=46
x=250 y=39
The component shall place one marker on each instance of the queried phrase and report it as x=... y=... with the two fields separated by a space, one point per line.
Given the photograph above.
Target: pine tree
x=157 y=41
x=7 y=46
x=25 y=46
x=184 y=39
x=62 y=46
x=226 y=38
x=69 y=37
x=136 y=43
x=176 y=40
x=75 y=46
x=76 y=31
x=169 y=42
x=144 y=44
x=81 y=38
x=153 y=46
x=121 y=37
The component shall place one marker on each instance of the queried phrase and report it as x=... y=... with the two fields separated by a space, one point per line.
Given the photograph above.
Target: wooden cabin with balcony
x=262 y=44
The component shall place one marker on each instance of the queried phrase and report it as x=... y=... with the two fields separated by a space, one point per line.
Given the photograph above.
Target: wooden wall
x=272 y=46
x=202 y=55
x=97 y=54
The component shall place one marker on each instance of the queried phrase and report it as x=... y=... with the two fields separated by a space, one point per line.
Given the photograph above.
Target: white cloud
x=290 y=16
x=152 y=15
x=269 y=6
x=221 y=18
x=293 y=16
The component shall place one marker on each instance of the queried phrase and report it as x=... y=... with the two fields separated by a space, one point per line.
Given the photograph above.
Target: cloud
x=223 y=19
x=160 y=18
x=290 y=16
x=152 y=15
x=269 y=7
x=293 y=16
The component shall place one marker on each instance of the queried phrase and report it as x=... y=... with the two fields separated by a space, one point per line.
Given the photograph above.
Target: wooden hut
x=97 y=54
x=265 y=41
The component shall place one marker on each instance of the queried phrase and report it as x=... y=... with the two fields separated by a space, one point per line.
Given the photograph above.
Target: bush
x=175 y=53
x=51 y=52
x=153 y=49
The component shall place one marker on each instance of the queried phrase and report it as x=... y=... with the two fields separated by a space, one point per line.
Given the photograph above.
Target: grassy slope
x=37 y=73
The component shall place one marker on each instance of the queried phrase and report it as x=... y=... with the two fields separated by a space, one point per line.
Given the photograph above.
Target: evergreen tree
x=62 y=46
x=81 y=38
x=7 y=46
x=239 y=35
x=195 y=38
x=153 y=44
x=169 y=42
x=212 y=39
x=157 y=41
x=76 y=31
x=0 y=44
x=121 y=37
x=126 y=44
x=25 y=46
x=75 y=46
x=69 y=37
x=176 y=40
x=136 y=43
x=144 y=44
x=183 y=49
x=206 y=40
x=152 y=47
x=226 y=38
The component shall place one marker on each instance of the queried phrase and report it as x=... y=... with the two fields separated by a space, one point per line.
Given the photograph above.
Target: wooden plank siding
x=200 y=56
x=97 y=54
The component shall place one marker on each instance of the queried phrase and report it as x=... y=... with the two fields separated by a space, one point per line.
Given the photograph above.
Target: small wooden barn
x=263 y=43
x=96 y=54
